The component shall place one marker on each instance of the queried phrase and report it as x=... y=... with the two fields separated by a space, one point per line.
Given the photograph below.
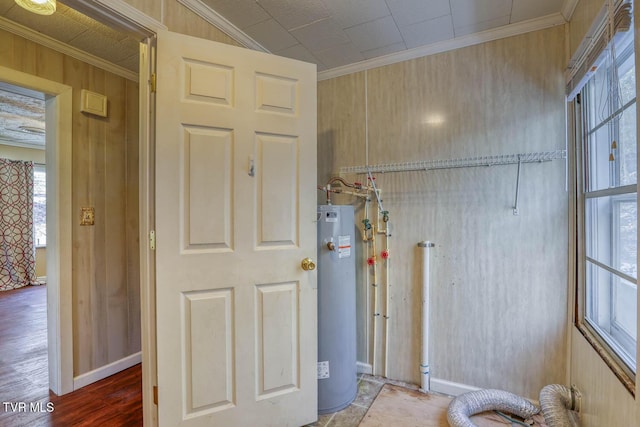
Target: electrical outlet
x=577 y=398
x=323 y=370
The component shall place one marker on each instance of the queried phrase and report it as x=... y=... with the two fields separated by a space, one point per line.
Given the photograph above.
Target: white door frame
x=58 y=153
x=126 y=17
x=147 y=224
x=59 y=219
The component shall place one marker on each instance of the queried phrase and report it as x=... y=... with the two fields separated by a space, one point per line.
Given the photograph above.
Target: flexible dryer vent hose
x=556 y=401
x=474 y=402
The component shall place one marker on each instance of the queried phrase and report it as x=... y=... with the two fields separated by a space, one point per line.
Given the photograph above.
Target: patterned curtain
x=17 y=252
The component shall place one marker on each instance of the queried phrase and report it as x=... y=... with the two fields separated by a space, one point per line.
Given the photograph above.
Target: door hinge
x=155 y=394
x=152 y=240
x=152 y=80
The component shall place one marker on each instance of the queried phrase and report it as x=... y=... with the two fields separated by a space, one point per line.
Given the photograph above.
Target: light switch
x=87 y=216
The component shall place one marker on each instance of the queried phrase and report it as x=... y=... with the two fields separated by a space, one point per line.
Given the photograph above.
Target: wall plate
x=93 y=103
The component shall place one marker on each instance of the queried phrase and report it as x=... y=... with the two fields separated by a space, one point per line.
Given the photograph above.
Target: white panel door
x=235 y=216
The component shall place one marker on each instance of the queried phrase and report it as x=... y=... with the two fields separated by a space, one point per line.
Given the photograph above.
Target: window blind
x=594 y=46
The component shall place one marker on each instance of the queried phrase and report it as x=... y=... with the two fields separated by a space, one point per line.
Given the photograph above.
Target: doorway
x=24 y=309
x=62 y=308
x=97 y=302
x=58 y=147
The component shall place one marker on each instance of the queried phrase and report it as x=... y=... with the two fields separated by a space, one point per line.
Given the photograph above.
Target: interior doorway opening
x=22 y=140
x=65 y=377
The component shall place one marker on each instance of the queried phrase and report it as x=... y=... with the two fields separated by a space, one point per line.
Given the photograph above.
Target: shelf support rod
x=515 y=204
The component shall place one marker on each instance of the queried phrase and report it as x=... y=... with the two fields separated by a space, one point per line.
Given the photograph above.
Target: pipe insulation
x=424 y=354
x=474 y=402
x=557 y=401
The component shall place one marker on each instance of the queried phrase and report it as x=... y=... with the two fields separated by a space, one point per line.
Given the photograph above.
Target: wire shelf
x=504 y=159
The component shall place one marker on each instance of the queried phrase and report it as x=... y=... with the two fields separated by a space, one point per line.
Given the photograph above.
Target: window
x=608 y=205
x=40 y=205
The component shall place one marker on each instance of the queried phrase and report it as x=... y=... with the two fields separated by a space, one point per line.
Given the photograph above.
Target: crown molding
x=568 y=7
x=71 y=51
x=220 y=22
x=447 y=45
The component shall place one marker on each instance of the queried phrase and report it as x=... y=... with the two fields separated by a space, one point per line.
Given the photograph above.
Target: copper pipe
x=341 y=180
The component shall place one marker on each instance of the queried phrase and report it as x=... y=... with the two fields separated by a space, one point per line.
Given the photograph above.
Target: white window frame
x=620 y=355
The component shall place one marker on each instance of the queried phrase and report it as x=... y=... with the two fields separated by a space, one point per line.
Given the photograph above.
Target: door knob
x=308 y=264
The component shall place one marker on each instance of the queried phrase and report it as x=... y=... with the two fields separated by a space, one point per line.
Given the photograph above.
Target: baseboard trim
x=449 y=388
x=364 y=368
x=106 y=371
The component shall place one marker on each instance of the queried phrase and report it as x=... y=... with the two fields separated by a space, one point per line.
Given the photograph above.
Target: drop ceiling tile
x=241 y=13
x=428 y=32
x=321 y=35
x=526 y=9
x=131 y=62
x=354 y=12
x=61 y=27
x=386 y=50
x=298 y=52
x=467 y=13
x=295 y=13
x=271 y=35
x=110 y=49
x=407 y=12
x=89 y=22
x=374 y=34
x=476 y=27
x=340 y=55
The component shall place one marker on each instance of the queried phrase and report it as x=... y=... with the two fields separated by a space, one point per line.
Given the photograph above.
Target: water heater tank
x=337 y=382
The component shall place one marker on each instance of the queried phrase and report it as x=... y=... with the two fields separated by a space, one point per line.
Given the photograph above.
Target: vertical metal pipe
x=424 y=354
x=376 y=302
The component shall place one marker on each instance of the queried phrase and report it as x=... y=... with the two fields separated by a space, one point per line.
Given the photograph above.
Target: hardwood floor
x=25 y=399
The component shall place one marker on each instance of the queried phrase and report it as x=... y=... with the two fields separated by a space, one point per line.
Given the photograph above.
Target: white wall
x=21 y=153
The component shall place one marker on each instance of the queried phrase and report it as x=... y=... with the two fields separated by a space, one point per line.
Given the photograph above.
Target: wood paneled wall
x=605 y=401
x=581 y=20
x=498 y=282
x=152 y=8
x=180 y=19
x=106 y=302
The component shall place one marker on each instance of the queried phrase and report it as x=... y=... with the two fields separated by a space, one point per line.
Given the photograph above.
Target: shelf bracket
x=515 y=203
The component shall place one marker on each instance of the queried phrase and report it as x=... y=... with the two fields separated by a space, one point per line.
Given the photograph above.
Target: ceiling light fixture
x=41 y=7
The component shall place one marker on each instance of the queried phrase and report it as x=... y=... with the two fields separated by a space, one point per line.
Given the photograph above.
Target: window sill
x=627 y=381
x=41 y=247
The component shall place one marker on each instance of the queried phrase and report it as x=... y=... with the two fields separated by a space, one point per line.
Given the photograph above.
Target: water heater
x=337 y=382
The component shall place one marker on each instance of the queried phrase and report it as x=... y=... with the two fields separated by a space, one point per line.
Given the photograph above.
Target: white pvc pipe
x=424 y=354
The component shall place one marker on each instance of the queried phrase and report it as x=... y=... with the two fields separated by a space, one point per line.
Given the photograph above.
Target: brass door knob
x=308 y=264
